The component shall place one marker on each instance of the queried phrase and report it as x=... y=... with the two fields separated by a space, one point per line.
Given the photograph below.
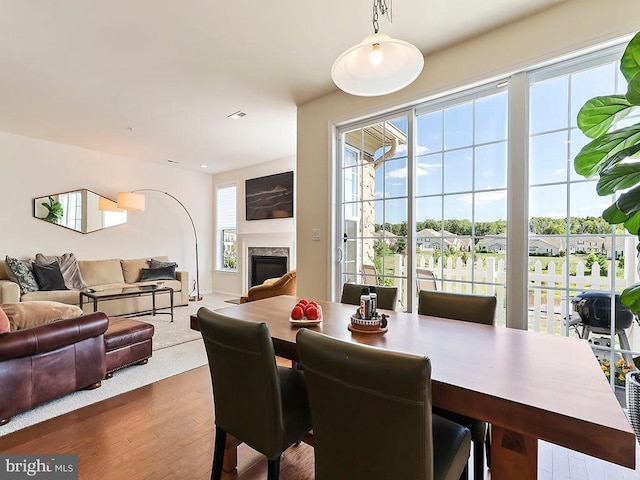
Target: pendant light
x=379 y=64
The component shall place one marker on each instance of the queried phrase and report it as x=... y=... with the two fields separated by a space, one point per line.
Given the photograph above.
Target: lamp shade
x=377 y=66
x=133 y=202
x=107 y=205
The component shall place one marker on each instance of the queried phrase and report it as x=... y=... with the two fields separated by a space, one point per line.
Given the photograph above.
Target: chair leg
x=218 y=453
x=273 y=469
x=478 y=460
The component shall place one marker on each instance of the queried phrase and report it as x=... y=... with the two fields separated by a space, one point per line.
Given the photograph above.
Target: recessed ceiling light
x=236 y=115
x=203 y=166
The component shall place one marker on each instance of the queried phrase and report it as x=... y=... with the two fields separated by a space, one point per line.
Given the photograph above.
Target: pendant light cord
x=383 y=7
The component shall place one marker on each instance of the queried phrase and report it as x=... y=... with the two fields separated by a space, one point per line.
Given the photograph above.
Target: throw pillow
x=5 y=326
x=49 y=277
x=153 y=263
x=68 y=266
x=25 y=315
x=20 y=271
x=162 y=273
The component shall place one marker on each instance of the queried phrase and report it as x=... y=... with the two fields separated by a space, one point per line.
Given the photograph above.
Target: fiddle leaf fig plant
x=55 y=210
x=614 y=153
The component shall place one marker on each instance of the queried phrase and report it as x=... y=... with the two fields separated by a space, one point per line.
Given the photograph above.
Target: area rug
x=176 y=349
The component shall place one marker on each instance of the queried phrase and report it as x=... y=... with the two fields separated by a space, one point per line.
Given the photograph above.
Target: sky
x=463 y=148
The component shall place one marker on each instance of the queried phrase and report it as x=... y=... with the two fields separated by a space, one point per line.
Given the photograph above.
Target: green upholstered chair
x=468 y=308
x=259 y=403
x=387 y=296
x=371 y=411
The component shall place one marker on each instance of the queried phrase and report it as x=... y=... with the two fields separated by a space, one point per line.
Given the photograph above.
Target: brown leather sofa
x=285 y=285
x=45 y=362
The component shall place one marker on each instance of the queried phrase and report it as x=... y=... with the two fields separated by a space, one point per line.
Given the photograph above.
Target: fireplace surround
x=270 y=261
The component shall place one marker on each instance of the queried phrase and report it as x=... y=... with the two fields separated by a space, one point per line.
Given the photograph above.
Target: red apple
x=297 y=313
x=312 y=313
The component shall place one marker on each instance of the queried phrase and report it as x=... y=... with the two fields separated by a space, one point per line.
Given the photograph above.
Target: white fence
x=548 y=302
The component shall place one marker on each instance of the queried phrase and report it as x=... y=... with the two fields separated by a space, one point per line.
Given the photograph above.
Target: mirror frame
x=39 y=200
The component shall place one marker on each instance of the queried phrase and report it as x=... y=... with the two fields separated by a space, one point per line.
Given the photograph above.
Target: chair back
x=369 y=275
x=387 y=296
x=426 y=279
x=457 y=306
x=371 y=410
x=245 y=380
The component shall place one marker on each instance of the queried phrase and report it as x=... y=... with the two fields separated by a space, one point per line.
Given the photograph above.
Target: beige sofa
x=104 y=275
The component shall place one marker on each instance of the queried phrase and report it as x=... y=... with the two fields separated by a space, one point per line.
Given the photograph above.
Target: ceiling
x=156 y=79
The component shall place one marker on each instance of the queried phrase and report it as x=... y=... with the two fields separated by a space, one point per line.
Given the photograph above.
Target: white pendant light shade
x=377 y=66
x=132 y=202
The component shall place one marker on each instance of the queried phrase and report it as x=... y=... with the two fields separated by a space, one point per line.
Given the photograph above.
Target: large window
x=446 y=194
x=461 y=195
x=226 y=228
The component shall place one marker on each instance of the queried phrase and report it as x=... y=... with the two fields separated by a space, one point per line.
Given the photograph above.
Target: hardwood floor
x=165 y=431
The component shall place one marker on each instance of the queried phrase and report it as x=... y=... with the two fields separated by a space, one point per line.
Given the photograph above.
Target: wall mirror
x=81 y=210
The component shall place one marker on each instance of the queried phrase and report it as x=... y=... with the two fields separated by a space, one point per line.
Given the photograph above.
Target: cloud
x=483 y=198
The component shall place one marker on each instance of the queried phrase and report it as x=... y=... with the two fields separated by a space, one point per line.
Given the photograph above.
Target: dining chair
x=467 y=308
x=426 y=279
x=371 y=413
x=259 y=403
x=387 y=296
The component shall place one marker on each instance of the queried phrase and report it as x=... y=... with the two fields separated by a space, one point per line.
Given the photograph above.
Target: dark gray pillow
x=49 y=277
x=20 y=271
x=153 y=263
x=162 y=273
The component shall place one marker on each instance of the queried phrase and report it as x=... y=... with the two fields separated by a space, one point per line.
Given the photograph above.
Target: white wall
x=32 y=168
x=570 y=26
x=275 y=232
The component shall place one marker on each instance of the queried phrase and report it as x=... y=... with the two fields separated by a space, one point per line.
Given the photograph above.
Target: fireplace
x=264 y=267
x=269 y=270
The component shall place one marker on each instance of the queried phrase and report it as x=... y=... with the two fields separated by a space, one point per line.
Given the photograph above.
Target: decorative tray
x=304 y=321
x=355 y=329
x=362 y=325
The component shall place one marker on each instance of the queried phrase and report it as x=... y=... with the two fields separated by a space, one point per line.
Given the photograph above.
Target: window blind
x=227 y=207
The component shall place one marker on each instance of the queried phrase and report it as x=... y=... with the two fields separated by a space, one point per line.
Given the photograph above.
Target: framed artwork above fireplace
x=269 y=197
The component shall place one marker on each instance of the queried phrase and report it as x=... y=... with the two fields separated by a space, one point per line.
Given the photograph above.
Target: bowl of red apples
x=306 y=313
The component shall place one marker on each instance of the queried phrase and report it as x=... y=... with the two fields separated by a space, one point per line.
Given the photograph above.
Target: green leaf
x=598 y=114
x=594 y=155
x=630 y=61
x=618 y=177
x=614 y=215
x=629 y=202
x=633 y=224
x=630 y=298
x=633 y=90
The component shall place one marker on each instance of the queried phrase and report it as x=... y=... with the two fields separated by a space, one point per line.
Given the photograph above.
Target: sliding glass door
x=469 y=191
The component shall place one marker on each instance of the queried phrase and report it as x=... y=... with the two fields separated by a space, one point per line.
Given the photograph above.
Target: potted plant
x=613 y=153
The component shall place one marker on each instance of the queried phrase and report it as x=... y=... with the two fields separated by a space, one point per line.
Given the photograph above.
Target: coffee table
x=125 y=292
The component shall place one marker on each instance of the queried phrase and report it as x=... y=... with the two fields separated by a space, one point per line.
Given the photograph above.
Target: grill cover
x=594 y=309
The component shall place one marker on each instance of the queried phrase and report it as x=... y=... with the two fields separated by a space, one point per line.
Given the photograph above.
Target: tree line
x=537 y=226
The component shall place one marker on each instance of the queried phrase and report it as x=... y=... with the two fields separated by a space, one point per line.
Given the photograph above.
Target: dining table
x=528 y=386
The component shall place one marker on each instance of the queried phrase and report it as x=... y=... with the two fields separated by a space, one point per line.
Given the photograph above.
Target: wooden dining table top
x=543 y=386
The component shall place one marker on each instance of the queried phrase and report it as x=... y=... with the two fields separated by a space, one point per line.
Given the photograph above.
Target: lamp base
x=196 y=298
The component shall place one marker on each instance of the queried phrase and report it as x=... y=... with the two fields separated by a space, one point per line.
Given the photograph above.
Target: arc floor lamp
x=134 y=201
